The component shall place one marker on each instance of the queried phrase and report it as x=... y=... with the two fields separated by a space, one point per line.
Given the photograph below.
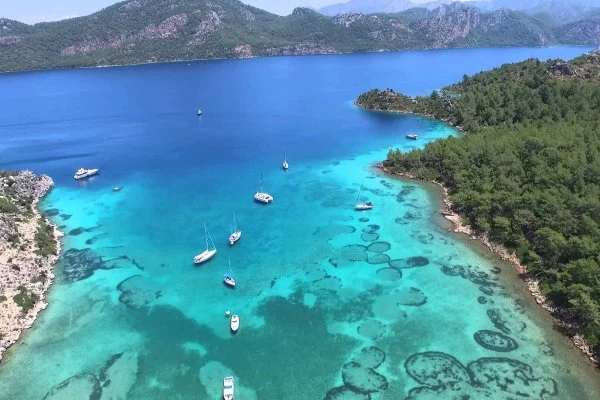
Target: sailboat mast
x=206 y=235
x=359 y=194
x=260 y=187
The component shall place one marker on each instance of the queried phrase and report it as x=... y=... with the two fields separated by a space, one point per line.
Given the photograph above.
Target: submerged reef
x=443 y=376
x=495 y=341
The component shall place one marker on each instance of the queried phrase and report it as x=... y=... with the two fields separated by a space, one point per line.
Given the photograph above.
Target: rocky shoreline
x=562 y=316
x=427 y=115
x=29 y=249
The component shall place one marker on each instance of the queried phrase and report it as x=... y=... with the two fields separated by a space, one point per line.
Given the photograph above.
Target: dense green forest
x=527 y=171
x=141 y=31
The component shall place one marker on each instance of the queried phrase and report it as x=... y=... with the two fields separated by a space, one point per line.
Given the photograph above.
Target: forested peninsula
x=526 y=174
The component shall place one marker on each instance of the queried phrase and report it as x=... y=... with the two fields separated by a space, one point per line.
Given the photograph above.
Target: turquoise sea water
x=333 y=304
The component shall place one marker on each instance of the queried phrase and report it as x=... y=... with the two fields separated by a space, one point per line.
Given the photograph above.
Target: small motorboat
x=117 y=189
x=83 y=173
x=235 y=323
x=227 y=313
x=199 y=112
x=261 y=196
x=412 y=136
x=228 y=387
x=209 y=252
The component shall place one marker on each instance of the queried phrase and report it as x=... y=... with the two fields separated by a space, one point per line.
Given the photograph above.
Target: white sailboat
x=209 y=252
x=228 y=388
x=362 y=205
x=285 y=164
x=261 y=196
x=236 y=233
x=228 y=278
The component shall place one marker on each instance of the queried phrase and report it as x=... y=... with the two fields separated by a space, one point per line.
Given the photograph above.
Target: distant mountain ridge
x=558 y=10
x=144 y=31
x=378 y=6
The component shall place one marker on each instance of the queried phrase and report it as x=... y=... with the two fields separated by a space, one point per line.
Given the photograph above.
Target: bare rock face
x=208 y=26
x=165 y=29
x=447 y=28
x=243 y=51
x=300 y=49
x=349 y=19
x=10 y=39
x=561 y=68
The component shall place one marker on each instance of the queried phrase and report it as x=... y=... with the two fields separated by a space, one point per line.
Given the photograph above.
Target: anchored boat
x=412 y=136
x=210 y=250
x=261 y=196
x=235 y=323
x=236 y=234
x=228 y=387
x=228 y=277
x=285 y=164
x=83 y=173
x=362 y=205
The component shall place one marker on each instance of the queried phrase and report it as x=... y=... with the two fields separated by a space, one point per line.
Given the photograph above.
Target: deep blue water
x=318 y=284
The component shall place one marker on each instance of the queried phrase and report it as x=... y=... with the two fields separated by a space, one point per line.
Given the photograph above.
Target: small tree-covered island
x=526 y=173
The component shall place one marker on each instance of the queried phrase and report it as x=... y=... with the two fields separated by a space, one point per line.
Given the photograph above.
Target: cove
x=334 y=304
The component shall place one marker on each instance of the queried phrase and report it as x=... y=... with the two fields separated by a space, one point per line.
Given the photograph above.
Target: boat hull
x=89 y=173
x=235 y=323
x=204 y=256
x=264 y=198
x=363 y=207
x=228 y=388
x=229 y=282
x=235 y=236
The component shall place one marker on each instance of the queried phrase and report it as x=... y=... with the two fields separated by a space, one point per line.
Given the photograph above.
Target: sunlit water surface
x=334 y=304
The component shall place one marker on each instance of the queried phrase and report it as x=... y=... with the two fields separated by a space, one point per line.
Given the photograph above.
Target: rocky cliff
x=29 y=249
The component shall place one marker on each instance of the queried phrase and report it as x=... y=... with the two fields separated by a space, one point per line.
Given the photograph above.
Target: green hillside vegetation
x=527 y=172
x=7 y=207
x=141 y=31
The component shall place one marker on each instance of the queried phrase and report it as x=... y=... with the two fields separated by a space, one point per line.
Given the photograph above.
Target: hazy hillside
x=367 y=7
x=140 y=31
x=556 y=10
x=559 y=10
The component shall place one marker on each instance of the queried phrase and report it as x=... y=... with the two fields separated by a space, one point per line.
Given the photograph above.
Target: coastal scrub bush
x=7 y=207
x=25 y=300
x=45 y=240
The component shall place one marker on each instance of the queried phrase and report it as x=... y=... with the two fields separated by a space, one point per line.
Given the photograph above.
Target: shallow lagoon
x=334 y=304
